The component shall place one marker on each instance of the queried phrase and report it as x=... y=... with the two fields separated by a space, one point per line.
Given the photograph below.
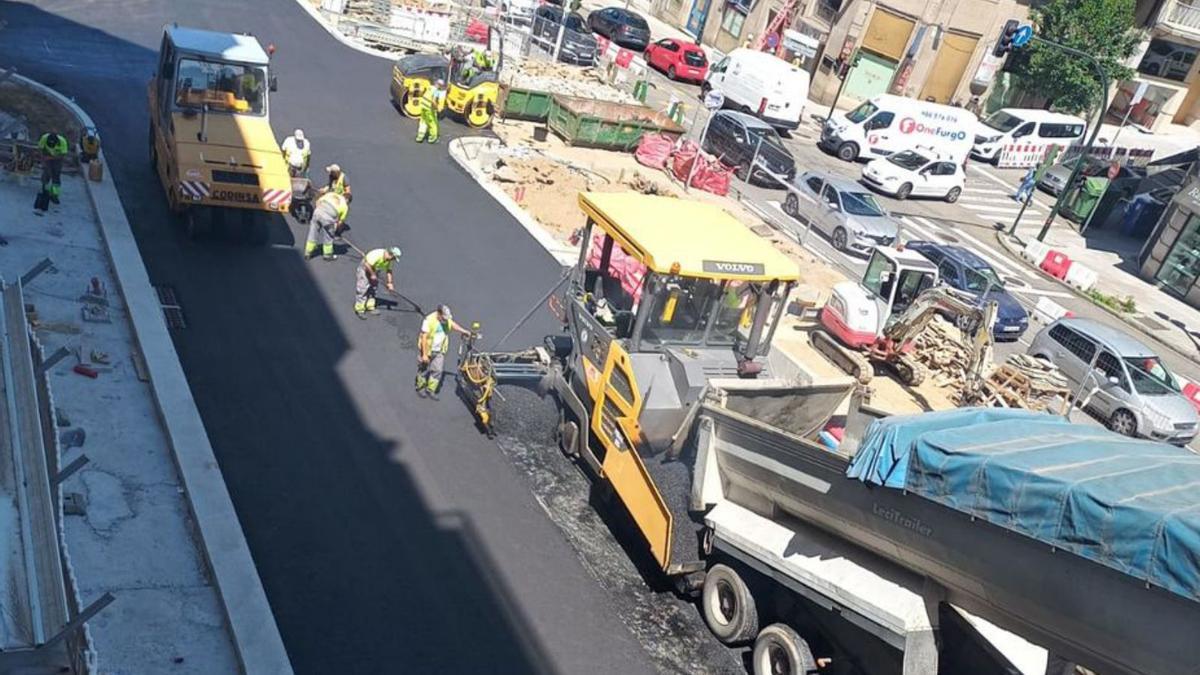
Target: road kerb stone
x=252 y=625
x=565 y=255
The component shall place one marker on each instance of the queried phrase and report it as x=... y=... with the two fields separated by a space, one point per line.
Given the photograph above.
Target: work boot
x=374 y=311
x=361 y=315
x=329 y=257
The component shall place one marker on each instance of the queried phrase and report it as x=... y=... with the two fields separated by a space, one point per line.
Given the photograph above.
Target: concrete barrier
x=1035 y=252
x=1083 y=278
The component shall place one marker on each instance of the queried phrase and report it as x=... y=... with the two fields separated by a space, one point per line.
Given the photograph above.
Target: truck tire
x=779 y=650
x=728 y=606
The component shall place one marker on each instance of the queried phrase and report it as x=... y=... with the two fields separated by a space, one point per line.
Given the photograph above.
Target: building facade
x=1165 y=89
x=1171 y=257
x=927 y=49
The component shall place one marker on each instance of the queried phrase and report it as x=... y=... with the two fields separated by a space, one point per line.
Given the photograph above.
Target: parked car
x=578 y=45
x=842 y=210
x=920 y=172
x=961 y=269
x=678 y=59
x=622 y=26
x=738 y=139
x=1030 y=127
x=1055 y=178
x=1134 y=391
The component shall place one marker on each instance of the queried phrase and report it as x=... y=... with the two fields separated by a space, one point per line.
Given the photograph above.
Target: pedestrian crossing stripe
x=980 y=249
x=992 y=209
x=990 y=191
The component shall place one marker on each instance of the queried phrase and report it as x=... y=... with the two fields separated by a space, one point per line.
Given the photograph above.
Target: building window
x=1168 y=60
x=732 y=20
x=1182 y=266
x=1146 y=111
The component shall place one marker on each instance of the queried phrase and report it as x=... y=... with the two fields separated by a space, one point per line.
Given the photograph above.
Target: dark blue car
x=961 y=269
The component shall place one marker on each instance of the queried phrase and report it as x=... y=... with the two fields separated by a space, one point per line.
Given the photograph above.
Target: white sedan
x=915 y=173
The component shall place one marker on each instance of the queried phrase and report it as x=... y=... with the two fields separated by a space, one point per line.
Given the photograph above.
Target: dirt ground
x=39 y=113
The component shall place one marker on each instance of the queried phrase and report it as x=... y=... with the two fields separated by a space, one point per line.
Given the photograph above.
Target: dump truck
x=672 y=305
x=211 y=141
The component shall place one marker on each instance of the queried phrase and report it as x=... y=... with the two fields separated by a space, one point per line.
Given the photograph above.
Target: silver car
x=1119 y=378
x=842 y=210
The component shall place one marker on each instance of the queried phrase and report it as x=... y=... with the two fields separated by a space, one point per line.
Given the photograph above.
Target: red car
x=680 y=60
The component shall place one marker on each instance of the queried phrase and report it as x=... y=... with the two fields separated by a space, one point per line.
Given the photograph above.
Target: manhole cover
x=1151 y=323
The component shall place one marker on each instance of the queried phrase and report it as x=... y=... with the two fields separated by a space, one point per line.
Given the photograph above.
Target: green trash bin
x=1086 y=198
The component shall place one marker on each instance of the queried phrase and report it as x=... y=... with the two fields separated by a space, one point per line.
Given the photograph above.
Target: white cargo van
x=886 y=124
x=760 y=84
x=1026 y=126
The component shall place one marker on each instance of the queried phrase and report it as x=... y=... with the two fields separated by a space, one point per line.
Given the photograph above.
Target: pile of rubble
x=1025 y=381
x=941 y=349
x=562 y=79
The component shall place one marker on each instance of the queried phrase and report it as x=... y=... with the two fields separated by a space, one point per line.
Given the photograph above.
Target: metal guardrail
x=56 y=622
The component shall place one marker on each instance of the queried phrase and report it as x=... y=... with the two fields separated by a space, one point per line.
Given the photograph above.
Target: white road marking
x=981 y=249
x=990 y=200
x=993 y=209
x=930 y=233
x=1039 y=291
x=990 y=191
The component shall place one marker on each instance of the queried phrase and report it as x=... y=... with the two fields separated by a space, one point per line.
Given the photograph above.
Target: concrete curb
x=340 y=36
x=252 y=625
x=1014 y=252
x=563 y=254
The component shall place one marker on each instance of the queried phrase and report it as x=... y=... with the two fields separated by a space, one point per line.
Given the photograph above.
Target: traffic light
x=1004 y=43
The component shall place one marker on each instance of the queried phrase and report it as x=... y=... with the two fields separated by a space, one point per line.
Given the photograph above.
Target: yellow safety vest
x=439 y=339
x=429 y=101
x=337 y=202
x=54 y=145
x=339 y=185
x=378 y=259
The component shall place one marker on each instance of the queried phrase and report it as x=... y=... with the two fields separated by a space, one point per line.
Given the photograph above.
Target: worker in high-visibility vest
x=336 y=181
x=432 y=345
x=297 y=151
x=54 y=148
x=431 y=98
x=328 y=216
x=366 y=278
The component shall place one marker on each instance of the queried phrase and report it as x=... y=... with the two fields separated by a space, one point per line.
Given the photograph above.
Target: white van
x=762 y=85
x=886 y=124
x=1027 y=126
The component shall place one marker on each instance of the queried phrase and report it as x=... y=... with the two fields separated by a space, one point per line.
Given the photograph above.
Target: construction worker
x=328 y=217
x=432 y=345
x=54 y=148
x=431 y=98
x=337 y=180
x=366 y=278
x=297 y=151
x=481 y=62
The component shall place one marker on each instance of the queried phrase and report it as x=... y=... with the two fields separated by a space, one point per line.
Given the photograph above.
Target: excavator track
x=910 y=371
x=852 y=361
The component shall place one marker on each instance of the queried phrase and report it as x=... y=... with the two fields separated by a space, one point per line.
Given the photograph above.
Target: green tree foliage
x=1102 y=28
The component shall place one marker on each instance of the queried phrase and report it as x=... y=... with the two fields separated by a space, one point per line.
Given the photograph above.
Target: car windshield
x=982 y=279
x=1150 y=376
x=1002 y=121
x=908 y=160
x=575 y=23
x=768 y=136
x=635 y=21
x=224 y=87
x=862 y=112
x=694 y=58
x=860 y=204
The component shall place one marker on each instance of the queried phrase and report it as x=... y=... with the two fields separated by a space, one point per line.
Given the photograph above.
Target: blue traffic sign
x=1022 y=36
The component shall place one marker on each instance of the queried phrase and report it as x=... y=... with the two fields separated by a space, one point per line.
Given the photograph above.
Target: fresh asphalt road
x=389 y=535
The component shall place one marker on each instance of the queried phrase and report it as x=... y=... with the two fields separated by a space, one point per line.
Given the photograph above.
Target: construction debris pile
x=1025 y=381
x=566 y=80
x=942 y=349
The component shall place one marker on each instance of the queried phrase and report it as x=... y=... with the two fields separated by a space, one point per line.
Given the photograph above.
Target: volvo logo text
x=725 y=267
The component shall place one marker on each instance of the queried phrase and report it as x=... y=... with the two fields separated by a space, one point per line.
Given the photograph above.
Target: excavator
x=877 y=319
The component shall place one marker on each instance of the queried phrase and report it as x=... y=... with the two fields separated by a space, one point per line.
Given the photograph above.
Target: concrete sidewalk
x=1158 y=314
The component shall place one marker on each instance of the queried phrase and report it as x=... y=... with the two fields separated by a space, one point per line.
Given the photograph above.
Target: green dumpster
x=606 y=125
x=1086 y=198
x=523 y=104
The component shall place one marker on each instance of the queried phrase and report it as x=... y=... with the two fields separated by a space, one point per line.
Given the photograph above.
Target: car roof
x=958 y=253
x=840 y=184
x=1117 y=340
x=746 y=119
x=1039 y=115
x=234 y=47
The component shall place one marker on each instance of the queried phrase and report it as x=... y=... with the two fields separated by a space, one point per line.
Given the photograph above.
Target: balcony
x=1182 y=17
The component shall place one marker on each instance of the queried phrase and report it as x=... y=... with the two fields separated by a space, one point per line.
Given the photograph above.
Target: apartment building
x=928 y=49
x=1165 y=66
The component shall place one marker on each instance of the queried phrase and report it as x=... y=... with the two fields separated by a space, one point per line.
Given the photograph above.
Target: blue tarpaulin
x=1132 y=505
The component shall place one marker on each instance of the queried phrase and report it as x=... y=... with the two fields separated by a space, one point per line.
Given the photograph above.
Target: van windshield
x=862 y=112
x=1150 y=376
x=1003 y=122
x=908 y=160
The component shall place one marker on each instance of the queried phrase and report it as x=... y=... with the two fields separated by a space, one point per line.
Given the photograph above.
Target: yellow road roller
x=471 y=99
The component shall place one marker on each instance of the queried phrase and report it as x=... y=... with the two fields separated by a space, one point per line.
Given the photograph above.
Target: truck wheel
x=847 y=152
x=779 y=650
x=728 y=606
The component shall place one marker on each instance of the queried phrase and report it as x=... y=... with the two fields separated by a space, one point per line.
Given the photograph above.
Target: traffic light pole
x=1087 y=148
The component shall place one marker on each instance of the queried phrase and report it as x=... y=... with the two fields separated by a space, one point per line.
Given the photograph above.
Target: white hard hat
x=299 y=134
x=333 y=168
x=441 y=82
x=395 y=251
